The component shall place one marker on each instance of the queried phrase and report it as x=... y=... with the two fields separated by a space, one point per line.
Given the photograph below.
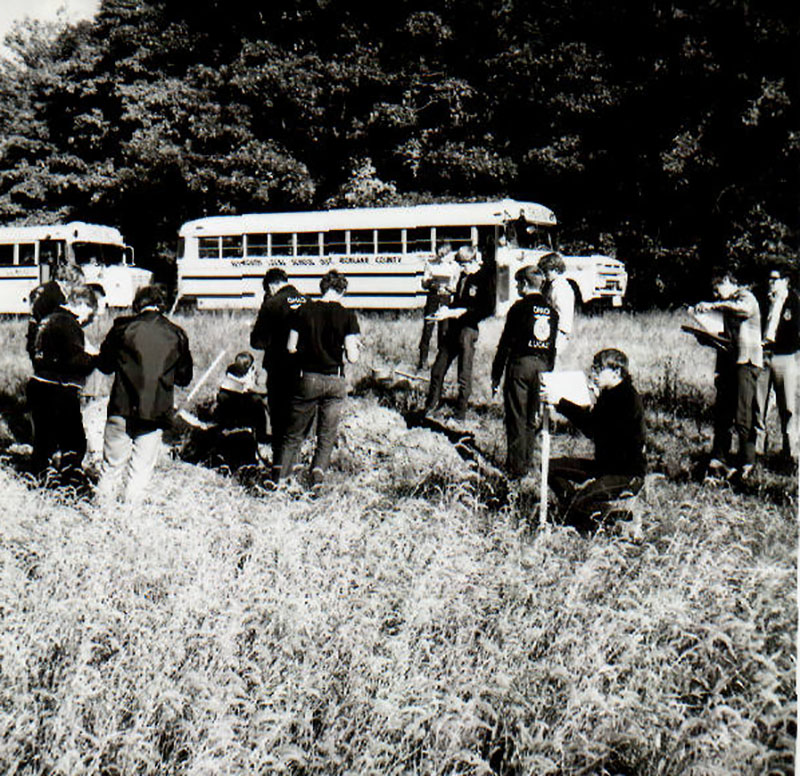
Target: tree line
x=664 y=133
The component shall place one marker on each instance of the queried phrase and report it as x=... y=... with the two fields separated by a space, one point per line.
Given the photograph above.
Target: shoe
x=263 y=451
x=748 y=472
x=718 y=471
x=317 y=477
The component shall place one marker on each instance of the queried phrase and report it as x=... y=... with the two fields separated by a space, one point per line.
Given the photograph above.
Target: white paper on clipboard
x=567 y=384
x=712 y=321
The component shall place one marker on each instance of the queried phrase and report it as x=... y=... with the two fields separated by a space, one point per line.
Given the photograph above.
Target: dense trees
x=667 y=134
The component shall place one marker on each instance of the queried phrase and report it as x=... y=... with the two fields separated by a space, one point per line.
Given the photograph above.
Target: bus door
x=52 y=253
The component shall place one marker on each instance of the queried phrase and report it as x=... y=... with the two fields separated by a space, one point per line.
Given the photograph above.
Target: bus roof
x=75 y=231
x=452 y=214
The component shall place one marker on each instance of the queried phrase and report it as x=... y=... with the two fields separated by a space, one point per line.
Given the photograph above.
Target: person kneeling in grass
x=616 y=425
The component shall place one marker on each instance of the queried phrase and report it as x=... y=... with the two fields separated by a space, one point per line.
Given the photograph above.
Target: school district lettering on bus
x=382 y=251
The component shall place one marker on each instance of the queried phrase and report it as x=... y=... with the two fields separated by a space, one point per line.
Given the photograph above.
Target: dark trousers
x=281 y=386
x=521 y=399
x=582 y=489
x=459 y=343
x=320 y=394
x=242 y=410
x=57 y=425
x=432 y=303
x=736 y=408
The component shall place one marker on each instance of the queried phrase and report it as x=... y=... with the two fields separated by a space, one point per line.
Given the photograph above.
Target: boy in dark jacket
x=60 y=367
x=527 y=348
x=616 y=425
x=148 y=356
x=239 y=401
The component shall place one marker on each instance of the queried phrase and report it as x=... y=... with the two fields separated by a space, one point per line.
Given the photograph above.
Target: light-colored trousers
x=780 y=372
x=133 y=454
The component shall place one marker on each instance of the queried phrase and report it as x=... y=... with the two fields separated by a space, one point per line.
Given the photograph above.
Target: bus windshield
x=103 y=254
x=522 y=234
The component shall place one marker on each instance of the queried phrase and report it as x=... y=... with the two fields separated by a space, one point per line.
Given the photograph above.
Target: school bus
x=221 y=260
x=28 y=255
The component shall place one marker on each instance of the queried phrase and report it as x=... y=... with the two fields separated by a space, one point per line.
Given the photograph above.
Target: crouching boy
x=616 y=425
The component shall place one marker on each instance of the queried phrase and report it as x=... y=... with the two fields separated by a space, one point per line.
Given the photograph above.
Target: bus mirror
x=128 y=255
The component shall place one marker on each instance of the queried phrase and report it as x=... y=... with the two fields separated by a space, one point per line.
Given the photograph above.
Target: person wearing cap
x=526 y=348
x=270 y=333
x=439 y=281
x=61 y=365
x=561 y=295
x=148 y=355
x=472 y=302
x=737 y=371
x=781 y=343
x=323 y=334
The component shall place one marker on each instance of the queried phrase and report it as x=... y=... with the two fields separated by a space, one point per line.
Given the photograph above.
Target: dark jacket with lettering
x=272 y=326
x=616 y=425
x=475 y=292
x=787 y=335
x=58 y=351
x=45 y=299
x=148 y=355
x=530 y=330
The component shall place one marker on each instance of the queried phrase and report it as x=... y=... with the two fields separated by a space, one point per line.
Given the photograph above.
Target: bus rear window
x=335 y=242
x=418 y=240
x=308 y=243
x=232 y=247
x=208 y=247
x=6 y=255
x=282 y=245
x=362 y=241
x=390 y=241
x=257 y=244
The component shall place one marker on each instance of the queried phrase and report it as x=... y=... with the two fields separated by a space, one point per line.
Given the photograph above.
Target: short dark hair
x=82 y=293
x=528 y=274
x=725 y=273
x=149 y=296
x=611 y=358
x=241 y=364
x=275 y=275
x=334 y=280
x=553 y=261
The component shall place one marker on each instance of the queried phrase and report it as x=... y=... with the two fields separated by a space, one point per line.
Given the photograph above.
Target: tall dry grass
x=394 y=624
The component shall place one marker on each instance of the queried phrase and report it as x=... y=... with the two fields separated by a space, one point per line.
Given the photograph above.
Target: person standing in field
x=561 y=296
x=737 y=372
x=323 y=334
x=473 y=301
x=148 y=355
x=781 y=343
x=48 y=296
x=616 y=426
x=270 y=333
x=61 y=365
x=439 y=281
x=526 y=348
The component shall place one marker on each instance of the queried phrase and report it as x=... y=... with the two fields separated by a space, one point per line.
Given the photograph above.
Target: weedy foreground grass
x=394 y=624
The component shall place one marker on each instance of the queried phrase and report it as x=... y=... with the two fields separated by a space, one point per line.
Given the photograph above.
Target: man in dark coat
x=527 y=347
x=270 y=334
x=60 y=367
x=47 y=297
x=472 y=302
x=148 y=355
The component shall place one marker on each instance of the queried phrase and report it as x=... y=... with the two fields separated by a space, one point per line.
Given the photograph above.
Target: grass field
x=402 y=621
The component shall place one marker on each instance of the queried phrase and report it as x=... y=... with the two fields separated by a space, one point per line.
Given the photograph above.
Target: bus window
x=257 y=245
x=282 y=245
x=418 y=240
x=362 y=241
x=27 y=254
x=52 y=251
x=232 y=247
x=390 y=241
x=335 y=242
x=97 y=253
x=457 y=236
x=208 y=247
x=6 y=255
x=308 y=243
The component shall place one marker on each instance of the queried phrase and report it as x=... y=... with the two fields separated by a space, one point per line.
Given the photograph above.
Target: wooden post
x=545 y=464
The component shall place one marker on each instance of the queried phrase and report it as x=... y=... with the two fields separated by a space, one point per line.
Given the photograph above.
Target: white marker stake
x=205 y=377
x=545 y=464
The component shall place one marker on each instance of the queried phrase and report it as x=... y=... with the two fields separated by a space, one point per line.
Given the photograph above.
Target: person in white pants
x=148 y=356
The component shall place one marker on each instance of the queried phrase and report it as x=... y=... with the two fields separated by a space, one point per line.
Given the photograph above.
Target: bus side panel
x=16 y=285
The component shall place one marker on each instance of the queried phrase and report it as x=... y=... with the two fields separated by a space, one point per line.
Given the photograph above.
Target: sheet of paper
x=711 y=321
x=568 y=384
